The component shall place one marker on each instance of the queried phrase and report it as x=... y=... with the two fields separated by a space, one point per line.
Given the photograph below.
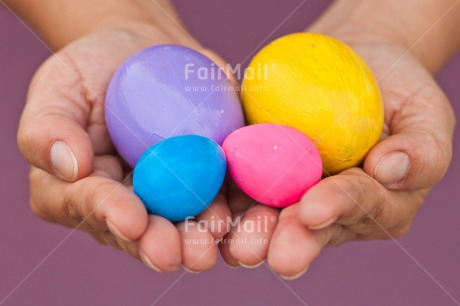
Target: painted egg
x=169 y=90
x=273 y=164
x=321 y=87
x=180 y=176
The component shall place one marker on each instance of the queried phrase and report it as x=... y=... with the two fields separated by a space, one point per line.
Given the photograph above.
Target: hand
x=77 y=179
x=377 y=201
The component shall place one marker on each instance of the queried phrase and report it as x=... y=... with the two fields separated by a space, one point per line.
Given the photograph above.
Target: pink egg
x=273 y=164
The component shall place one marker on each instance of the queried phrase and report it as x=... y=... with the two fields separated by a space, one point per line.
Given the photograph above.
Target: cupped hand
x=375 y=201
x=77 y=179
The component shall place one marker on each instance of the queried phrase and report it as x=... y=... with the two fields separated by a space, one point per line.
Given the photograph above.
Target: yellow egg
x=320 y=86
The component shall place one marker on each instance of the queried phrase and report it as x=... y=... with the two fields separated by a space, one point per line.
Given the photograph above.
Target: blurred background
x=45 y=264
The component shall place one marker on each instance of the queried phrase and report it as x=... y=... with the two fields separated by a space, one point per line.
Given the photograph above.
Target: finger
x=52 y=132
x=199 y=249
x=228 y=258
x=93 y=203
x=220 y=62
x=108 y=166
x=98 y=132
x=238 y=203
x=293 y=246
x=250 y=235
x=101 y=202
x=107 y=238
x=215 y=218
x=160 y=246
x=418 y=152
x=356 y=200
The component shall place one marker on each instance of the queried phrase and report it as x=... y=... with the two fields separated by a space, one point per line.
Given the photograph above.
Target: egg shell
x=165 y=91
x=273 y=164
x=180 y=176
x=321 y=87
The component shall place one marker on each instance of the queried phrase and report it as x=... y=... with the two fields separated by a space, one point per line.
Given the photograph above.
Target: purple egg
x=165 y=91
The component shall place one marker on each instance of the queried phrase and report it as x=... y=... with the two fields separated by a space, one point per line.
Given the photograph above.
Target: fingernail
x=189 y=271
x=63 y=161
x=114 y=230
x=392 y=168
x=230 y=266
x=148 y=262
x=293 y=277
x=324 y=224
x=251 y=266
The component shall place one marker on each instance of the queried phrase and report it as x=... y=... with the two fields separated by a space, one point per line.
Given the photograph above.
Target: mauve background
x=81 y=272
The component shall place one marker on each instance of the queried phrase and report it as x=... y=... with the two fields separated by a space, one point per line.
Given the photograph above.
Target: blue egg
x=180 y=176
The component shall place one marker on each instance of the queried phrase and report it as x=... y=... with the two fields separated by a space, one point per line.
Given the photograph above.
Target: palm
x=92 y=61
x=414 y=105
x=356 y=204
x=403 y=82
x=76 y=79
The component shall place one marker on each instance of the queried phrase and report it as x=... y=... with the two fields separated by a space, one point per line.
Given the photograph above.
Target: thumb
x=219 y=61
x=417 y=154
x=52 y=132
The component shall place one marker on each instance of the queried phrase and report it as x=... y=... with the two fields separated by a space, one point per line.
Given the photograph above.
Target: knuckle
x=370 y=219
x=430 y=164
x=374 y=213
x=442 y=154
x=38 y=210
x=25 y=137
x=373 y=218
x=36 y=205
x=98 y=196
x=377 y=211
x=337 y=236
x=69 y=207
x=33 y=175
x=401 y=230
x=84 y=201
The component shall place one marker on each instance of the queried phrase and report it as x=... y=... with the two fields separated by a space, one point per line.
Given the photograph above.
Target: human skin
x=380 y=199
x=76 y=178
x=64 y=103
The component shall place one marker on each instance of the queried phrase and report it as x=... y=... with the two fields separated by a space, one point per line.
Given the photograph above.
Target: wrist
x=425 y=29
x=60 y=22
x=149 y=32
